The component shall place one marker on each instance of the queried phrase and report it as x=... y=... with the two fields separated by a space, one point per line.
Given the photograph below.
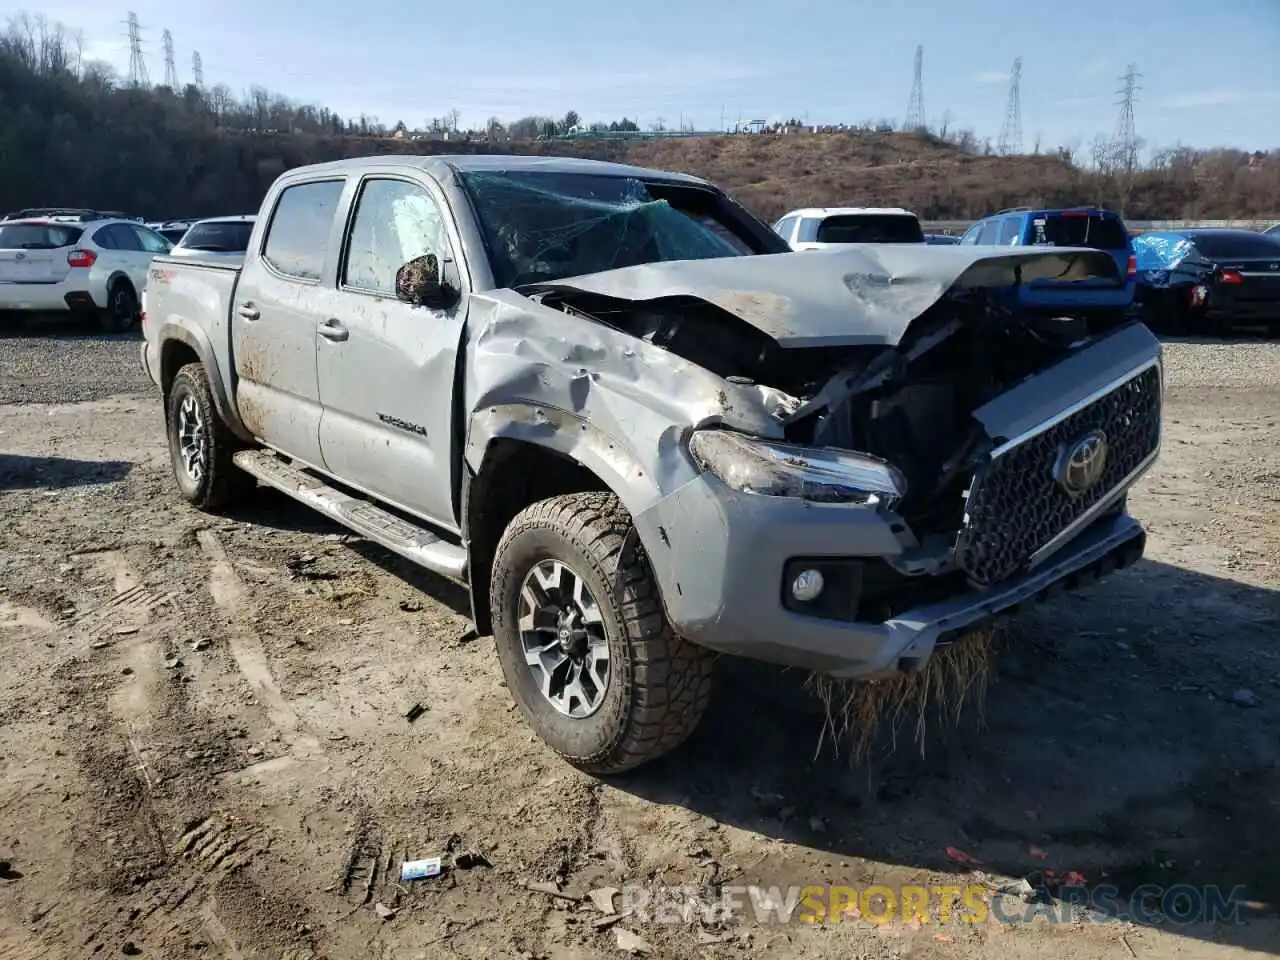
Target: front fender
x=609 y=457
x=194 y=337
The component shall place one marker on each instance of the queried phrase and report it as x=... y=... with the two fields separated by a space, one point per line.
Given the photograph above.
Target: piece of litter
x=382 y=910
x=414 y=712
x=551 y=890
x=421 y=869
x=602 y=897
x=1038 y=853
x=172 y=664
x=124 y=631
x=631 y=942
x=204 y=643
x=943 y=938
x=411 y=606
x=706 y=937
x=956 y=855
x=345 y=621
x=470 y=859
x=607 y=921
x=99 y=644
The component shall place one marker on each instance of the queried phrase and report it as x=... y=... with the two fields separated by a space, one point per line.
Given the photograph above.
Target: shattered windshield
x=541 y=227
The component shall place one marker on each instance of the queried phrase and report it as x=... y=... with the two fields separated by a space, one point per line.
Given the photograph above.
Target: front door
x=279 y=302
x=386 y=369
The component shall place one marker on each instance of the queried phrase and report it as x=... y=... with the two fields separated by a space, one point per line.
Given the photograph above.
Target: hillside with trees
x=73 y=133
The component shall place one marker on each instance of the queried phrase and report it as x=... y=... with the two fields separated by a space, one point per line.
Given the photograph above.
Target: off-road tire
x=222 y=483
x=122 y=311
x=659 y=683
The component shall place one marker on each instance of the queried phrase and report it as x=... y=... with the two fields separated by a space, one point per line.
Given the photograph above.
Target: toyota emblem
x=1081 y=463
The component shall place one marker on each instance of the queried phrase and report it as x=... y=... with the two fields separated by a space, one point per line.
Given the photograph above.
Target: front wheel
x=584 y=643
x=200 y=444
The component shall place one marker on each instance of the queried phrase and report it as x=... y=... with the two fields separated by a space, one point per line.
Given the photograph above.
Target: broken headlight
x=818 y=474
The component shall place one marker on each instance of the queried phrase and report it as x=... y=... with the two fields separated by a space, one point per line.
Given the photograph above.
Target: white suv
x=818 y=228
x=60 y=264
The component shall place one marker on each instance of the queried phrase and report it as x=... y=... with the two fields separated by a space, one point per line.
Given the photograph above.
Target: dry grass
x=857 y=712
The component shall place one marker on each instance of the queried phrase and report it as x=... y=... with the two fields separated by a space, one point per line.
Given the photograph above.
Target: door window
x=151 y=241
x=1010 y=231
x=395 y=222
x=785 y=227
x=298 y=236
x=117 y=236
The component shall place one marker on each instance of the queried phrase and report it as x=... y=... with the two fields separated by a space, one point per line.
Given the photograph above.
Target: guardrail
x=1135 y=226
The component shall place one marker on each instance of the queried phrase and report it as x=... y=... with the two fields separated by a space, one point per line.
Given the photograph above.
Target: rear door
x=276 y=311
x=36 y=252
x=152 y=244
x=386 y=369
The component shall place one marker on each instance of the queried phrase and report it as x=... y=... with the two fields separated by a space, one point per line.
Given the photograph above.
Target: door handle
x=247 y=311
x=332 y=329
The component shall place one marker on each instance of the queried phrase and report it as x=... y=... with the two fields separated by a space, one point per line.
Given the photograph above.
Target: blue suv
x=1091 y=227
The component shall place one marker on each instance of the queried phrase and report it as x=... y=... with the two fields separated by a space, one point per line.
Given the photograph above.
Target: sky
x=1209 y=73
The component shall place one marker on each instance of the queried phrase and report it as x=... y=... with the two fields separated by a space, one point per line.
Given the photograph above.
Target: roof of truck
x=443 y=164
x=849 y=212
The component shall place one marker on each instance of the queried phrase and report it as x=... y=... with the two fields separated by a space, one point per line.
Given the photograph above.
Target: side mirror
x=419 y=283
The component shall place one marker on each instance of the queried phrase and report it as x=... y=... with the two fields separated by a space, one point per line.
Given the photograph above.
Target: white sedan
x=83 y=266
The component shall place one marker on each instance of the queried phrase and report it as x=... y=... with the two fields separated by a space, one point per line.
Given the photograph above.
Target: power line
x=1125 y=138
x=197 y=70
x=137 y=63
x=170 y=71
x=1011 y=130
x=915 y=105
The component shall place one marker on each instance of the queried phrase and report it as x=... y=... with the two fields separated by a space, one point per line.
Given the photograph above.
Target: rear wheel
x=583 y=640
x=122 y=310
x=200 y=444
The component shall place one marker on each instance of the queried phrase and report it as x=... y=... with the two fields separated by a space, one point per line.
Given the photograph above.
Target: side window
x=971 y=235
x=808 y=229
x=118 y=236
x=990 y=233
x=785 y=227
x=395 y=222
x=1010 y=231
x=151 y=241
x=298 y=236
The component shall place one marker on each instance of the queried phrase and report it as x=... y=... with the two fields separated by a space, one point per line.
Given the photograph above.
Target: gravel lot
x=204 y=750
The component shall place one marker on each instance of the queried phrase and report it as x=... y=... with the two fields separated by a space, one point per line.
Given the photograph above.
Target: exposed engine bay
x=908 y=404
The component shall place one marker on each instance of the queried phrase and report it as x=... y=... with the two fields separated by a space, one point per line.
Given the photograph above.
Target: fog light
x=807 y=585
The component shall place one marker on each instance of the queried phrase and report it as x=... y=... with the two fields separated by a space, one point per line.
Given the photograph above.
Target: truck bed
x=196 y=294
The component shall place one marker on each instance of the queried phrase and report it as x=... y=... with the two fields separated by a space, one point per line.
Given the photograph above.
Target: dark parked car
x=1208 y=280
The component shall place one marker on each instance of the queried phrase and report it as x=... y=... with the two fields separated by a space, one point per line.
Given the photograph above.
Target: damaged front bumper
x=864 y=606
x=726 y=562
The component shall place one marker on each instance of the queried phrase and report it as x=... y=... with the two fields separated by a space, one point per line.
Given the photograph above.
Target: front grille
x=1016 y=504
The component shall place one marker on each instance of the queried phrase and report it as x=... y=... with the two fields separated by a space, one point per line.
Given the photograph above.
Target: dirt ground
x=205 y=752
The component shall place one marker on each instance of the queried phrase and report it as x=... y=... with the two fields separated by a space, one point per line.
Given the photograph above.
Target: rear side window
x=298 y=238
x=227 y=237
x=866 y=228
x=117 y=236
x=784 y=227
x=1236 y=246
x=38 y=236
x=1080 y=230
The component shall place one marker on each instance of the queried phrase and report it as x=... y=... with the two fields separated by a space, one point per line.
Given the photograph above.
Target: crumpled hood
x=857 y=294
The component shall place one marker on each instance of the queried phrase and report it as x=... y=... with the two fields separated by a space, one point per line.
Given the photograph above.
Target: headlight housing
x=817 y=474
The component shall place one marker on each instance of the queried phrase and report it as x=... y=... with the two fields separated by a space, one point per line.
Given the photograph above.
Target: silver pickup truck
x=641 y=432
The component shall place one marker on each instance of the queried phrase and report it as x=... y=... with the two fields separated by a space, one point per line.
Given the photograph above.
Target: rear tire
x=656 y=685
x=200 y=444
x=122 y=311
